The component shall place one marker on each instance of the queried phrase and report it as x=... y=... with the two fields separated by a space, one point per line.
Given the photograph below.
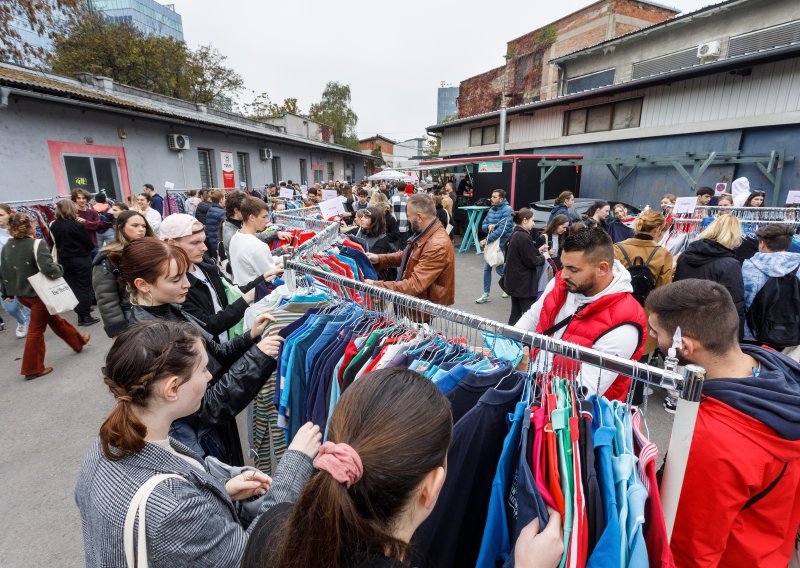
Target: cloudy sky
x=393 y=55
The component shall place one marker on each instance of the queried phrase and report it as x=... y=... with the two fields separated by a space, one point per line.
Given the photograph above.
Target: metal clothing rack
x=750 y=213
x=690 y=384
x=50 y=200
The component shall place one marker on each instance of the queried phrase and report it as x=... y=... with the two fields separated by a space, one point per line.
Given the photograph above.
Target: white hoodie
x=622 y=341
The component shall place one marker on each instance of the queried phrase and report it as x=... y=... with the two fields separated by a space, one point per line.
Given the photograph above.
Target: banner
x=490 y=167
x=228 y=178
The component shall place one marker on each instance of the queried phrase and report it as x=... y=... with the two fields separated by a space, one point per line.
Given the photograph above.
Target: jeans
x=487 y=275
x=17 y=310
x=104 y=237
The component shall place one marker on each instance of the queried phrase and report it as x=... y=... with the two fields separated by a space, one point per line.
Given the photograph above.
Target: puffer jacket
x=430 y=269
x=201 y=211
x=760 y=268
x=502 y=217
x=524 y=265
x=214 y=220
x=239 y=370
x=113 y=299
x=708 y=260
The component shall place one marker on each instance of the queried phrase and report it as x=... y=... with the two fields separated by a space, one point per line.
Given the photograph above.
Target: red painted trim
x=506 y=158
x=58 y=149
x=513 y=180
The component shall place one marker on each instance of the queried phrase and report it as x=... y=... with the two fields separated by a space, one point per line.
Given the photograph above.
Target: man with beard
x=427 y=264
x=589 y=302
x=740 y=498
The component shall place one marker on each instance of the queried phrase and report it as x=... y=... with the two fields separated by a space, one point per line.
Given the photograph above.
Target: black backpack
x=642 y=279
x=774 y=315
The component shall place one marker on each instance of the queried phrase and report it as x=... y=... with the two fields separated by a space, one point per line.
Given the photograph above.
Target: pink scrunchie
x=341 y=461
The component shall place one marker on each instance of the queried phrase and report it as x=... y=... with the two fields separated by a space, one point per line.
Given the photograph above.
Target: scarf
x=409 y=247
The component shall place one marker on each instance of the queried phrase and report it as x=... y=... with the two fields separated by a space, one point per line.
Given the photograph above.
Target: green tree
x=433 y=145
x=44 y=17
x=210 y=82
x=262 y=108
x=377 y=151
x=334 y=110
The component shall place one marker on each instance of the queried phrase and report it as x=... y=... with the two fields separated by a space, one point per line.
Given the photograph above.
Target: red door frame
x=58 y=149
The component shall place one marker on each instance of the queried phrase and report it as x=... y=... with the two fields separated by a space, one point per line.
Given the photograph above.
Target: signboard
x=329 y=194
x=793 y=197
x=720 y=188
x=286 y=193
x=684 y=205
x=490 y=167
x=331 y=208
x=228 y=178
x=169 y=185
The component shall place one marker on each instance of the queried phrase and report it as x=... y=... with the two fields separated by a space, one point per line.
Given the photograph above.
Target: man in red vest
x=589 y=302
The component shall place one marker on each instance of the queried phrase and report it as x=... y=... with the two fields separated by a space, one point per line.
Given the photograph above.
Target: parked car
x=542 y=209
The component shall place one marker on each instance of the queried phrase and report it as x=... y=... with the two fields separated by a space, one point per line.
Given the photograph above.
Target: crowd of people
x=163 y=287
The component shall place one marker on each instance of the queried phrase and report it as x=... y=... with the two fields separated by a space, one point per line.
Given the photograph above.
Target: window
x=593 y=81
x=93 y=174
x=601 y=118
x=303 y=172
x=318 y=176
x=276 y=169
x=484 y=135
x=330 y=171
x=206 y=168
x=243 y=167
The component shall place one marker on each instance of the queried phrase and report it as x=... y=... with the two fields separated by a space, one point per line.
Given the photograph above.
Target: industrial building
x=695 y=99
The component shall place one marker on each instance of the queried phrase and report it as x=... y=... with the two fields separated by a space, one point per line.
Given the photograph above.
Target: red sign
x=228 y=178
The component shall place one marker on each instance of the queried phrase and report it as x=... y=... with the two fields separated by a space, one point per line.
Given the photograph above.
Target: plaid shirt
x=399 y=210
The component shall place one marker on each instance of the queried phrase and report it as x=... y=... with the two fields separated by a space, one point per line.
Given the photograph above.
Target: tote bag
x=56 y=294
x=232 y=293
x=493 y=254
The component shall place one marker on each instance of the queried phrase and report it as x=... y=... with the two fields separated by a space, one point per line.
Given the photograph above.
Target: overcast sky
x=394 y=55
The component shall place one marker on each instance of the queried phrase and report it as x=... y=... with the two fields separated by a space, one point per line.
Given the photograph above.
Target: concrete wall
x=27 y=126
x=732 y=21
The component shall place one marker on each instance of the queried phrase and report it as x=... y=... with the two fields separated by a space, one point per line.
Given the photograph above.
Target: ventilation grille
x=588 y=82
x=769 y=38
x=671 y=62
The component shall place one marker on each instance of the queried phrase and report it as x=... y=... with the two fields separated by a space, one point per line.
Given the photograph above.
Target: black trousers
x=518 y=307
x=78 y=274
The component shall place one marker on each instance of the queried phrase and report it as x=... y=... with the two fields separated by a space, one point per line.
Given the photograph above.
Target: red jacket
x=593 y=321
x=733 y=458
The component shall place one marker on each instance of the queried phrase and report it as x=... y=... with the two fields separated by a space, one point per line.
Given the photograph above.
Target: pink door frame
x=58 y=149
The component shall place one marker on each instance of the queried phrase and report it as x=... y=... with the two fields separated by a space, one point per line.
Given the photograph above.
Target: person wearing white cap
x=206 y=299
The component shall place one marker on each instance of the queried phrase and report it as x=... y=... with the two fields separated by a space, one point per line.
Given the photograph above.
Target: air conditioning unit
x=709 y=50
x=265 y=154
x=178 y=142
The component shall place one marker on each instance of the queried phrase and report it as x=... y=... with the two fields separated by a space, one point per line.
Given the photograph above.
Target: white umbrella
x=387 y=175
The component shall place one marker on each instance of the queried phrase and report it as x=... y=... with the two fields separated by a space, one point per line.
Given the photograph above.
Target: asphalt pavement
x=46 y=426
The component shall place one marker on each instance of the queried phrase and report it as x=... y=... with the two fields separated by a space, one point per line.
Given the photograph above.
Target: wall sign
x=228 y=178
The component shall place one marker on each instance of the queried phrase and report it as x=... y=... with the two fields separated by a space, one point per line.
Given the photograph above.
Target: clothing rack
x=750 y=213
x=689 y=385
x=319 y=242
x=42 y=200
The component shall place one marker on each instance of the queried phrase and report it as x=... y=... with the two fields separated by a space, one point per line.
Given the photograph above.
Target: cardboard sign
x=286 y=193
x=329 y=194
x=793 y=197
x=169 y=185
x=331 y=208
x=684 y=205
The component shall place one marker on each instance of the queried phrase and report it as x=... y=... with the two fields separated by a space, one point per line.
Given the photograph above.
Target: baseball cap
x=177 y=226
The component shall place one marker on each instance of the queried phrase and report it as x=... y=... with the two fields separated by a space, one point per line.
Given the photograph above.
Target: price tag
x=684 y=205
x=331 y=208
x=286 y=193
x=793 y=197
x=329 y=194
x=169 y=185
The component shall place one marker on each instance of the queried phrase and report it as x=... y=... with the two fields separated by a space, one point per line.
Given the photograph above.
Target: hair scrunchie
x=341 y=461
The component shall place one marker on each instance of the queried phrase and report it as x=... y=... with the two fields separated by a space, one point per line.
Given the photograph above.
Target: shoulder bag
x=56 y=294
x=137 y=511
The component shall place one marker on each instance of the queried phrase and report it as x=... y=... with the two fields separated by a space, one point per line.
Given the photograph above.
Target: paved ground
x=47 y=424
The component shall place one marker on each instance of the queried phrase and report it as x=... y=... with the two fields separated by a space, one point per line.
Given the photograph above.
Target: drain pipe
x=4 y=94
x=502 y=129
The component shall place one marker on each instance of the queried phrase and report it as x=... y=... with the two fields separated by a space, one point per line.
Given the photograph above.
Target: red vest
x=592 y=322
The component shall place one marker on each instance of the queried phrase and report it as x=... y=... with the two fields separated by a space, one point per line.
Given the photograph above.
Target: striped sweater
x=190 y=521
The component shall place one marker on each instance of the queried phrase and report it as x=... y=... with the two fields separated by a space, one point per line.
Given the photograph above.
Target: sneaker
x=483 y=299
x=505 y=295
x=670 y=406
x=22 y=330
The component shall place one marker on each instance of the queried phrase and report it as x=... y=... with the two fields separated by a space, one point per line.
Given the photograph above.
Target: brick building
x=527 y=76
x=369 y=144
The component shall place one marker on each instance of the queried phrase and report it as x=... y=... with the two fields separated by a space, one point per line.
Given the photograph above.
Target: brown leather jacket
x=430 y=270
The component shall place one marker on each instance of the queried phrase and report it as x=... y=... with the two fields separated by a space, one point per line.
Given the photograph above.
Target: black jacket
x=393 y=231
x=524 y=265
x=201 y=211
x=113 y=299
x=71 y=239
x=200 y=305
x=709 y=260
x=239 y=370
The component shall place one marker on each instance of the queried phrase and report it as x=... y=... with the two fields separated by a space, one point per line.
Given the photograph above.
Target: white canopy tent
x=392 y=175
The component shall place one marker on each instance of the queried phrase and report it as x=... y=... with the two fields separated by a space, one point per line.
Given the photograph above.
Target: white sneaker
x=22 y=330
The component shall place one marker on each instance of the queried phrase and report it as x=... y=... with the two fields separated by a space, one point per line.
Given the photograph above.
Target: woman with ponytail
x=157 y=373
x=155 y=274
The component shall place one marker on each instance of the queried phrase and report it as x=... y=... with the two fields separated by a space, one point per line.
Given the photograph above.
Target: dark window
x=330 y=171
x=93 y=174
x=485 y=135
x=243 y=165
x=475 y=136
x=593 y=81
x=303 y=172
x=601 y=118
x=206 y=168
x=276 y=169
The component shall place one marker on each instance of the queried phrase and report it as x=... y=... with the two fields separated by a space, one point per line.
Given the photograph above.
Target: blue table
x=475 y=213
